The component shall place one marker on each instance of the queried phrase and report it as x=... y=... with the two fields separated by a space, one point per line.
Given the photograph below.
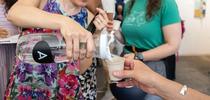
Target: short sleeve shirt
x=145 y=34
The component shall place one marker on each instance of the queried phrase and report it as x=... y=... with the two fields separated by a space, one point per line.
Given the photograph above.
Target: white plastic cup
x=116 y=64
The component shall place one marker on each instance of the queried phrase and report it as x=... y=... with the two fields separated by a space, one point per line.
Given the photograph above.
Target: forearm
x=160 y=52
x=27 y=16
x=172 y=38
x=170 y=90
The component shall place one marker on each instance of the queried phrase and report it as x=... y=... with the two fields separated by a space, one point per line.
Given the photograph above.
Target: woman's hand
x=101 y=21
x=129 y=57
x=141 y=76
x=3 y=33
x=79 y=42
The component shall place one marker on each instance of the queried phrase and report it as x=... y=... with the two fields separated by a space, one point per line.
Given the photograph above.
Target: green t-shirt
x=145 y=34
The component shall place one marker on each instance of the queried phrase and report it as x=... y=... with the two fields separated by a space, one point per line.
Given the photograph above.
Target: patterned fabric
x=53 y=6
x=88 y=83
x=60 y=81
x=44 y=82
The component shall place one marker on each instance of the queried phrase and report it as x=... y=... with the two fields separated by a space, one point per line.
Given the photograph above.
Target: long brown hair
x=152 y=7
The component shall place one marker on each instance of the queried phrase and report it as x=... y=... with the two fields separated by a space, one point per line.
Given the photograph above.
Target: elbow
x=12 y=15
x=177 y=45
x=174 y=47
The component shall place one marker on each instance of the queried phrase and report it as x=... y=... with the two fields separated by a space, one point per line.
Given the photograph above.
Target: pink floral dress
x=52 y=81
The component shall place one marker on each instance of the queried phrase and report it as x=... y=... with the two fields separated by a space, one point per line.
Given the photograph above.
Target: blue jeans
x=133 y=93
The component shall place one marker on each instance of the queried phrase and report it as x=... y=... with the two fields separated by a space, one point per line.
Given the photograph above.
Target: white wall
x=197 y=36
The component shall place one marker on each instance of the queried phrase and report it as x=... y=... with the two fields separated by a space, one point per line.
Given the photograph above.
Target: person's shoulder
x=169 y=2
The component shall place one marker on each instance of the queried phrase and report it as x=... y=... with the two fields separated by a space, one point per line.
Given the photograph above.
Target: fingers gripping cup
x=115 y=64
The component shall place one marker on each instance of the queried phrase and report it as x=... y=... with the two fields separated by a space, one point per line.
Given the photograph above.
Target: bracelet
x=183 y=90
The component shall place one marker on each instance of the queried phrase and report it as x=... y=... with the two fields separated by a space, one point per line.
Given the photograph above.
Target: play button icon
x=42 y=53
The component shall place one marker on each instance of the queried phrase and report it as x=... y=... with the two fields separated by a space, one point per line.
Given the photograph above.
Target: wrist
x=65 y=21
x=98 y=30
x=165 y=88
x=58 y=20
x=139 y=56
x=158 y=82
x=67 y=24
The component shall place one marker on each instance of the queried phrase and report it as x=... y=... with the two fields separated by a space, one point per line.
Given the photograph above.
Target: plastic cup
x=116 y=64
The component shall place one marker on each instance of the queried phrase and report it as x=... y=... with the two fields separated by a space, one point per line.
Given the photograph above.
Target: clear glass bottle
x=41 y=48
x=51 y=47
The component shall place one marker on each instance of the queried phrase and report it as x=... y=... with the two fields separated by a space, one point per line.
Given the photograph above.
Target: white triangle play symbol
x=41 y=55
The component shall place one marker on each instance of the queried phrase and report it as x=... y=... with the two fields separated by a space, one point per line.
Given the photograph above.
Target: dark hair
x=152 y=7
x=8 y=4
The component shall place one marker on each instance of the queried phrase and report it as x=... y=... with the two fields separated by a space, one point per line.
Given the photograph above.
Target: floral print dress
x=52 y=81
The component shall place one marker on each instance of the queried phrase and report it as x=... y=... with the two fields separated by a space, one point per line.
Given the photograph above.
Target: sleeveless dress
x=52 y=81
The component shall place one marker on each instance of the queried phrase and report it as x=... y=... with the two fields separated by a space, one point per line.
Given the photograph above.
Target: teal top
x=145 y=34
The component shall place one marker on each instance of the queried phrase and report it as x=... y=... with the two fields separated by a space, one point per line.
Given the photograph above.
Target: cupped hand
x=141 y=76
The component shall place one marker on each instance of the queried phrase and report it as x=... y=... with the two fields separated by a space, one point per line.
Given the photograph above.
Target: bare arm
x=169 y=90
x=25 y=13
x=153 y=83
x=172 y=36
